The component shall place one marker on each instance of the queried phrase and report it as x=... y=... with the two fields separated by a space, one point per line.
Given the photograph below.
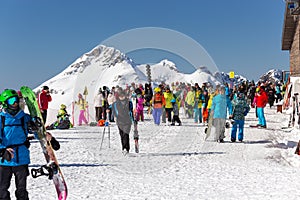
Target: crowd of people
x=219 y=102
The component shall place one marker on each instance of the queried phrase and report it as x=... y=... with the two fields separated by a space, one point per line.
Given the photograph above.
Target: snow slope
x=176 y=163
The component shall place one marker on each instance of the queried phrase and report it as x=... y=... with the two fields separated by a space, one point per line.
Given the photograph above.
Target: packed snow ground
x=175 y=163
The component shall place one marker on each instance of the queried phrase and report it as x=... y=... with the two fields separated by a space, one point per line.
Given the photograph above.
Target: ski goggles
x=12 y=100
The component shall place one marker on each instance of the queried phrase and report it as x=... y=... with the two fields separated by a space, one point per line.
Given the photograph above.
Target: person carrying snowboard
x=123 y=113
x=14 y=145
x=240 y=109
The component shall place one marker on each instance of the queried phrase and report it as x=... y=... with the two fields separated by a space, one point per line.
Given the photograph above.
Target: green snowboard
x=52 y=167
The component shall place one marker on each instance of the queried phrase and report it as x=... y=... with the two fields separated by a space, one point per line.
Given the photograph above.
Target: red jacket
x=261 y=99
x=43 y=99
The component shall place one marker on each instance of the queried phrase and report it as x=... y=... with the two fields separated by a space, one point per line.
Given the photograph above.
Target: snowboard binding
x=45 y=170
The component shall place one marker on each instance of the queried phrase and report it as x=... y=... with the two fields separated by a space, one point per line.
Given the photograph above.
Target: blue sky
x=40 y=38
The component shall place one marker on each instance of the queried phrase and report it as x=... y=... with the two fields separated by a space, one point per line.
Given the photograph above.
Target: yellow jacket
x=168 y=97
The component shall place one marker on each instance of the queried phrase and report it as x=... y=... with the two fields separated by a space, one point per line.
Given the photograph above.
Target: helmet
x=6 y=94
x=63 y=106
x=157 y=89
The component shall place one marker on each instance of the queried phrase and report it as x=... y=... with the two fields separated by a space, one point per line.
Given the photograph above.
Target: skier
x=43 y=99
x=158 y=101
x=82 y=106
x=240 y=109
x=123 y=113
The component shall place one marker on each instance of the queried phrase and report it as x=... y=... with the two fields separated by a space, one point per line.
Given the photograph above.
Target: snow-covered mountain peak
x=169 y=64
x=101 y=55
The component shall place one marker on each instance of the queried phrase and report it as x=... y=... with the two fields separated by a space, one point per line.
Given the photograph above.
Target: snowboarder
x=62 y=121
x=14 y=146
x=43 y=99
x=123 y=113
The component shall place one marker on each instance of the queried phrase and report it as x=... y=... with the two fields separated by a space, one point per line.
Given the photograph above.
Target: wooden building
x=291 y=35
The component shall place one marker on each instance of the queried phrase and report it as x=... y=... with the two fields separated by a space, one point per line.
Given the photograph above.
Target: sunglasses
x=12 y=100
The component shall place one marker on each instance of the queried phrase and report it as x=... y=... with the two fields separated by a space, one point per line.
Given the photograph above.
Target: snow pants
x=20 y=173
x=261 y=116
x=82 y=118
x=98 y=113
x=124 y=139
x=238 y=124
x=139 y=114
x=156 y=113
x=169 y=114
x=198 y=115
x=219 y=127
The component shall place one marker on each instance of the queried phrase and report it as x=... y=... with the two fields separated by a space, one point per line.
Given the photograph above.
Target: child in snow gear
x=43 y=99
x=175 y=113
x=240 y=110
x=14 y=145
x=123 y=113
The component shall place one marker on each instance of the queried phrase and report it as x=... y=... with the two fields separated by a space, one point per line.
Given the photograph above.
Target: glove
x=6 y=154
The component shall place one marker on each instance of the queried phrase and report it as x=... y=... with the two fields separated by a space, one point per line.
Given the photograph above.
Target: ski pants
x=219 y=127
x=98 y=111
x=124 y=139
x=236 y=124
x=20 y=173
x=82 y=118
x=176 y=119
x=139 y=115
x=261 y=116
x=198 y=115
x=44 y=115
x=169 y=114
x=156 y=113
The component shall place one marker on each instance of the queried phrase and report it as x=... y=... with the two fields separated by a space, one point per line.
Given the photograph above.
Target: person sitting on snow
x=62 y=121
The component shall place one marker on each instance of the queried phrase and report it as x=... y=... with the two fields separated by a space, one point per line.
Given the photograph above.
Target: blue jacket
x=219 y=106
x=13 y=136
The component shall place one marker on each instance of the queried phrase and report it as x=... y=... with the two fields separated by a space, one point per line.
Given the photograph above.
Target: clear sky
x=40 y=38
